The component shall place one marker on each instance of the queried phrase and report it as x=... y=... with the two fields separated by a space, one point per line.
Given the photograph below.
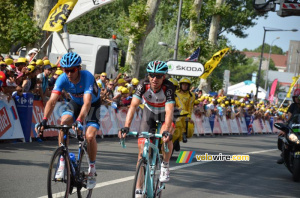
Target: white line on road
x=116 y=181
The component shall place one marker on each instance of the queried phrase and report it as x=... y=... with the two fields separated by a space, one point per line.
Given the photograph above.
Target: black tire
x=139 y=174
x=82 y=171
x=58 y=188
x=156 y=183
x=296 y=170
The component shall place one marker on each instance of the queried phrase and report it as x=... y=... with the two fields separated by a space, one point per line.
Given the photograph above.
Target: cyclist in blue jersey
x=83 y=106
x=158 y=96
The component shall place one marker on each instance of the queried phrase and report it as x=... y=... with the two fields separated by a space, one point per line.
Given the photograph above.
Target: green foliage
x=124 y=69
x=272 y=66
x=275 y=49
x=16 y=24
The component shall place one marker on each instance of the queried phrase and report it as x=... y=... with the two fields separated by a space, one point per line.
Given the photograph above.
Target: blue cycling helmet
x=70 y=59
x=159 y=67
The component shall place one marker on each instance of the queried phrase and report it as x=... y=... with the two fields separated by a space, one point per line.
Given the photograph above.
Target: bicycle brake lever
x=122 y=142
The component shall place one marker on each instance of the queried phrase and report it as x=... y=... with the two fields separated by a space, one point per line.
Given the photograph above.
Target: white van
x=98 y=54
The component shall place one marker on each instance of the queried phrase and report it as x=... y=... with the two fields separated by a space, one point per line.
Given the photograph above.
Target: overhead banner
x=59 y=15
x=84 y=6
x=185 y=68
x=213 y=62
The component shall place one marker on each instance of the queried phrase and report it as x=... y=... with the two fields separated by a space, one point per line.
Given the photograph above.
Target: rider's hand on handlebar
x=39 y=127
x=166 y=136
x=122 y=132
x=77 y=125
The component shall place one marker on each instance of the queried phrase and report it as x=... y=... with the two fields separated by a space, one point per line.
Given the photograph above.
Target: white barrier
x=111 y=122
x=10 y=126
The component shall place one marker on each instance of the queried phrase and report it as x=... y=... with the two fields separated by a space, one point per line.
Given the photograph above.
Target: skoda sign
x=185 y=68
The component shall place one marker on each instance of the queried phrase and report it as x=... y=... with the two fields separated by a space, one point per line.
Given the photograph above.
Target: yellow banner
x=295 y=79
x=59 y=15
x=213 y=62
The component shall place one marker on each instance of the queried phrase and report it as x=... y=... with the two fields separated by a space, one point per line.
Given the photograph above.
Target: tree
x=137 y=26
x=40 y=14
x=275 y=49
x=16 y=24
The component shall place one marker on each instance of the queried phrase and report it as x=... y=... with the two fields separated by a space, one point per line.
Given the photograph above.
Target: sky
x=256 y=33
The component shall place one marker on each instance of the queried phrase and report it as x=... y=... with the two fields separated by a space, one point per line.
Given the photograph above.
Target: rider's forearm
x=169 y=116
x=130 y=115
x=49 y=108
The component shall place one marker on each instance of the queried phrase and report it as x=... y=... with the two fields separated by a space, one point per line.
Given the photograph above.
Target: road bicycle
x=149 y=166
x=74 y=181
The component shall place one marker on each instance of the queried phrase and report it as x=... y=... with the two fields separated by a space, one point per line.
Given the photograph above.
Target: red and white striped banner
x=293 y=6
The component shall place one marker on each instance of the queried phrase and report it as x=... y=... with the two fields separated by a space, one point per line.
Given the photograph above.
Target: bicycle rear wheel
x=139 y=179
x=58 y=188
x=83 y=167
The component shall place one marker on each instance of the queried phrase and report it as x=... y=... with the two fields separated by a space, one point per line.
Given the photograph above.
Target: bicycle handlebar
x=65 y=128
x=145 y=135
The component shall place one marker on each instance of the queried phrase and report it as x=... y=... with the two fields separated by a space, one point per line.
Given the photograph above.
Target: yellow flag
x=213 y=62
x=59 y=15
x=295 y=79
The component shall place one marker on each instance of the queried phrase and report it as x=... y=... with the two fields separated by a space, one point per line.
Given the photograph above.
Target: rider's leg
x=69 y=115
x=90 y=136
x=66 y=119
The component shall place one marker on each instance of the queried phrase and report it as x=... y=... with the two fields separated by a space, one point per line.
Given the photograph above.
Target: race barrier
x=18 y=118
x=10 y=125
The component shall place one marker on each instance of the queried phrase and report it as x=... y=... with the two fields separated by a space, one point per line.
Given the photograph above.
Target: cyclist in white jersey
x=158 y=96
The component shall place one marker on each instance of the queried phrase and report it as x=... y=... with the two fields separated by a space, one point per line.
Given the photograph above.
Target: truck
x=98 y=54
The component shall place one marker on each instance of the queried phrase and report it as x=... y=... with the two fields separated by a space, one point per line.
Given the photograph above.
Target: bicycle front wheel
x=58 y=186
x=139 y=179
x=157 y=185
x=83 y=167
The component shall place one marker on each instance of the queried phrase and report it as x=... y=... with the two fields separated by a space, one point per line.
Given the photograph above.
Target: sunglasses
x=103 y=76
x=70 y=70
x=158 y=76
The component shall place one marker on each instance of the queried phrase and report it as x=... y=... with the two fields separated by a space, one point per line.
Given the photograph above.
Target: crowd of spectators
x=38 y=77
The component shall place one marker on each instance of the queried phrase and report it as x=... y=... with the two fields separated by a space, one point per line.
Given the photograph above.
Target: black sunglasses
x=70 y=70
x=158 y=76
x=2 y=65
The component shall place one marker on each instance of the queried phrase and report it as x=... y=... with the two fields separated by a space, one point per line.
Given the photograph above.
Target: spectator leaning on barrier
x=53 y=79
x=43 y=80
x=20 y=64
x=132 y=86
x=102 y=80
x=11 y=78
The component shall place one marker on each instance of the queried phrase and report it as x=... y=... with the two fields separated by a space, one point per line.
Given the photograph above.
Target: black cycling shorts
x=93 y=117
x=148 y=123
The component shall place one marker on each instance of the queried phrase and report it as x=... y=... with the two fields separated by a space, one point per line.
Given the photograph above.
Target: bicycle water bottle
x=73 y=159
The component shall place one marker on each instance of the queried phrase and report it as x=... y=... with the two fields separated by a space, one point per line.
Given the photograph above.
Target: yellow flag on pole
x=59 y=15
x=295 y=79
x=213 y=62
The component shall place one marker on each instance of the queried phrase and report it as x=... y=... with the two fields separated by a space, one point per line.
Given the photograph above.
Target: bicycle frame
x=149 y=176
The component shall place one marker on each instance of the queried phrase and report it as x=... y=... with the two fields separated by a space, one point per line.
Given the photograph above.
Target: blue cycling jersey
x=86 y=85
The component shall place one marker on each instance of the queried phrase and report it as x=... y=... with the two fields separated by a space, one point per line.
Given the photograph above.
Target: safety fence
x=19 y=116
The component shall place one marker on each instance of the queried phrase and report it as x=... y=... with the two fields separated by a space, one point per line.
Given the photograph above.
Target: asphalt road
x=24 y=169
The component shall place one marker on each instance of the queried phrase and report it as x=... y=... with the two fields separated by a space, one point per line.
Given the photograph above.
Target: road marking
x=116 y=181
